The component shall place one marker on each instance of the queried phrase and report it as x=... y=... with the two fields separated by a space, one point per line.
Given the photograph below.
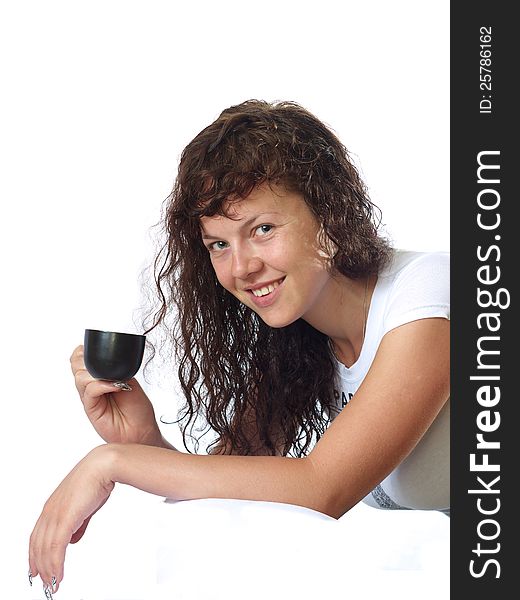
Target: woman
x=290 y=307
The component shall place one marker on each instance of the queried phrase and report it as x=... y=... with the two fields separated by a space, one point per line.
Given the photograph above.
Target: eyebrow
x=245 y=224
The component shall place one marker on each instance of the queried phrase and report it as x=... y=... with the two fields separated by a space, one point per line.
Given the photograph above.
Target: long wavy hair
x=261 y=389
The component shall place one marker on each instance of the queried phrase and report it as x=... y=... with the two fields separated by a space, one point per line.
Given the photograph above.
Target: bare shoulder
x=421 y=347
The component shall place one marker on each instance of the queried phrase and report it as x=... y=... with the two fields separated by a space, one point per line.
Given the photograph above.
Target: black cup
x=111 y=355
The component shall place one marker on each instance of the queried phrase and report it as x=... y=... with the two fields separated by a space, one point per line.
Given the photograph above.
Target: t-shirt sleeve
x=421 y=291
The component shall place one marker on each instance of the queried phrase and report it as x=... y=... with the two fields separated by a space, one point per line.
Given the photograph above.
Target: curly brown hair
x=261 y=389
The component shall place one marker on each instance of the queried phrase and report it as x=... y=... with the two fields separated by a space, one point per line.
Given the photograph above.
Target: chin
x=277 y=322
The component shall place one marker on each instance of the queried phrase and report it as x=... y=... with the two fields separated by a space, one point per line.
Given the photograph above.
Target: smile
x=264 y=291
x=266 y=294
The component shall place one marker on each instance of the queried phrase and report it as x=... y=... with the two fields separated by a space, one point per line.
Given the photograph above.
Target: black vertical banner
x=485 y=333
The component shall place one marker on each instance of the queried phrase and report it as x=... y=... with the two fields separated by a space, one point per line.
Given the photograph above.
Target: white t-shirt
x=414 y=285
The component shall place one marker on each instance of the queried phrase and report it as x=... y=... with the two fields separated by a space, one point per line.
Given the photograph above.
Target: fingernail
x=122 y=386
x=30 y=578
x=53 y=584
x=47 y=592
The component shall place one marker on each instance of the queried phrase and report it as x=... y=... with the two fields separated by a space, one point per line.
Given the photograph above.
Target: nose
x=245 y=263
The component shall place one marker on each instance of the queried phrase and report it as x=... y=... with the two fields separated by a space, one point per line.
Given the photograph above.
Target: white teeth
x=266 y=290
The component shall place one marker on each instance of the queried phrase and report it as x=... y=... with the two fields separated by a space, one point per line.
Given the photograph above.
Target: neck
x=340 y=313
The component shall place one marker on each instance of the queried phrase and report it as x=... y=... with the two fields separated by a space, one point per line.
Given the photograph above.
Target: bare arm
x=404 y=391
x=407 y=386
x=400 y=397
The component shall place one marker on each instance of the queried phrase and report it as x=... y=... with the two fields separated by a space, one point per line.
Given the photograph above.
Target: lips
x=265 y=288
x=266 y=293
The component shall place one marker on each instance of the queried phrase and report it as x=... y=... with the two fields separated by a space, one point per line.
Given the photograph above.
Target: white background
x=98 y=100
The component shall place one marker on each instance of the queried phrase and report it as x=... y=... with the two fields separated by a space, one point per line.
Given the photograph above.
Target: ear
x=326 y=247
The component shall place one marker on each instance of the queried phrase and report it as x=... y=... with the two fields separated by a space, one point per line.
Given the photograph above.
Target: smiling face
x=266 y=253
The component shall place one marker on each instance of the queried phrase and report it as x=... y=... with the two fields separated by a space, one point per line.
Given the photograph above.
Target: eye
x=263 y=229
x=215 y=246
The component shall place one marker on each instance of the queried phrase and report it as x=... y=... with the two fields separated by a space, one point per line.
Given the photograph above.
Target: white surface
x=233 y=549
x=98 y=100
x=270 y=550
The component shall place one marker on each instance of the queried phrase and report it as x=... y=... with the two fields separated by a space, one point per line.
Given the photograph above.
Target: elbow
x=336 y=511
x=327 y=496
x=335 y=508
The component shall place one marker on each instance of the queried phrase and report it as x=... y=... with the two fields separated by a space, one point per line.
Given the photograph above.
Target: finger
x=93 y=388
x=96 y=399
x=98 y=387
x=39 y=555
x=81 y=378
x=55 y=585
x=76 y=359
x=52 y=559
x=33 y=569
x=35 y=553
x=77 y=535
x=51 y=588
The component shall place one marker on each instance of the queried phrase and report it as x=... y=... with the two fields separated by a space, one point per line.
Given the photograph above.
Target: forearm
x=155 y=438
x=186 y=476
x=164 y=443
